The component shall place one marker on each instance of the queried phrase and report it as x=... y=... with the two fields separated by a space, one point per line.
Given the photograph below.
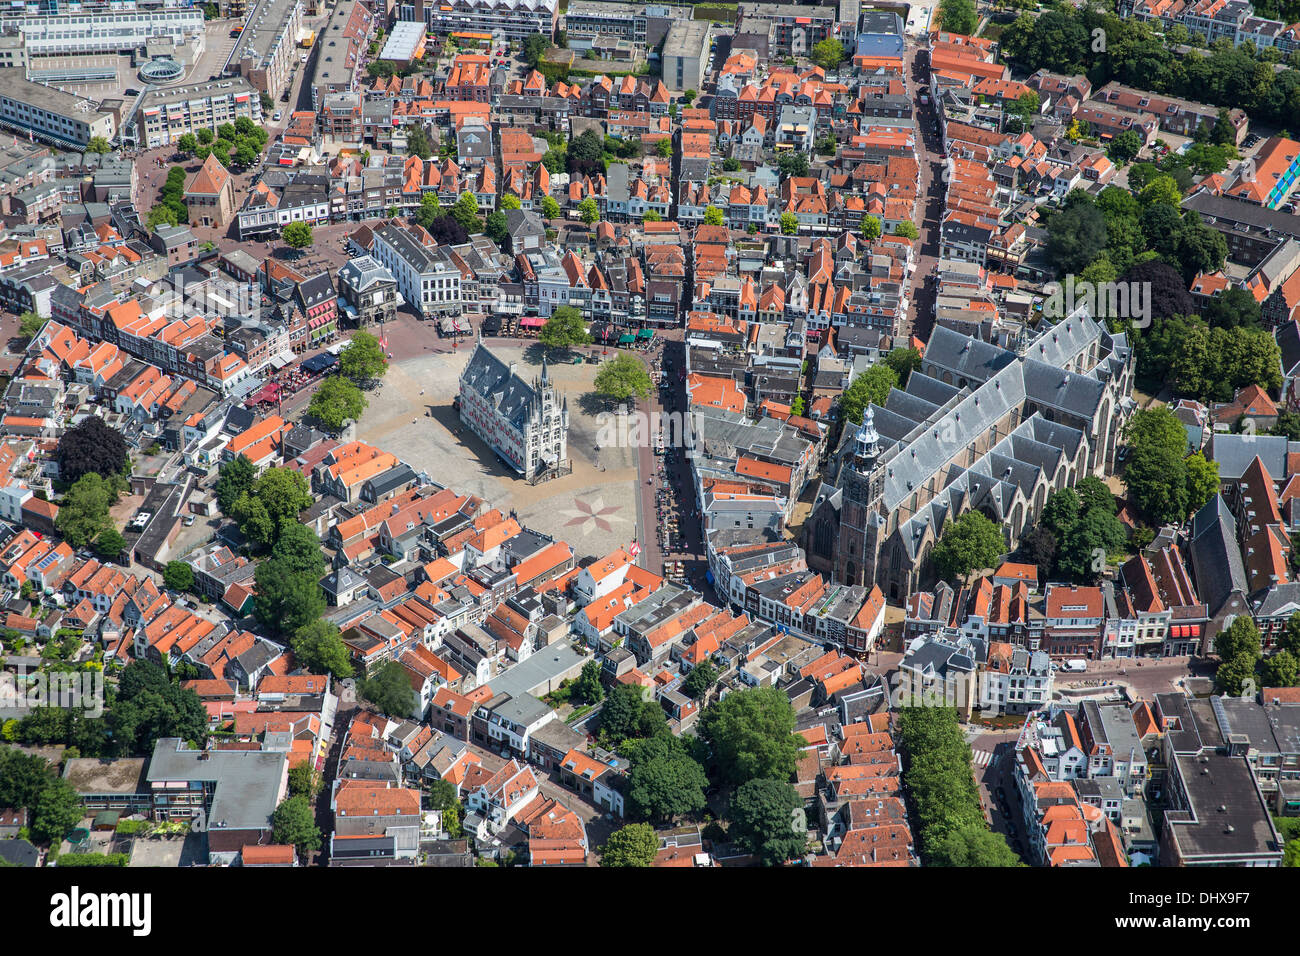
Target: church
x=977 y=427
x=525 y=423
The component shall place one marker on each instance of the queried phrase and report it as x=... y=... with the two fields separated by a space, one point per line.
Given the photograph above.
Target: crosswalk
x=983 y=758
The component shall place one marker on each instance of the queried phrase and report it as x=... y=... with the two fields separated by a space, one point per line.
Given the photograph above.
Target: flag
x=634 y=550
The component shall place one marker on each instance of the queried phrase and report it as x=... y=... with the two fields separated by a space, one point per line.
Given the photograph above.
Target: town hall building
x=525 y=423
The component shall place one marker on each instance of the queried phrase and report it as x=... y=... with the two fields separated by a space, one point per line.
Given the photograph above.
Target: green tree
x=22 y=777
x=441 y=794
x=666 y=781
x=152 y=708
x=1124 y=147
x=871 y=228
x=205 y=135
x=938 y=774
x=318 y=647
x=588 y=211
x=363 y=360
x=57 y=811
x=535 y=47
x=1231 y=308
x=750 y=734
x=178 y=576
x=789 y=224
x=588 y=685
x=497 y=227
x=712 y=216
x=621 y=378
x=465 y=212
x=904 y=361
x=907 y=230
x=631 y=845
x=1235 y=676
x=1156 y=475
x=563 y=329
x=417 y=140
x=587 y=148
x=83 y=514
x=793 y=163
x=109 y=544
x=286 y=600
x=293 y=823
x=336 y=401
x=1025 y=108
x=389 y=691
x=703 y=676
x=872 y=387
x=98 y=144
x=1156 y=480
x=297 y=235
x=304 y=780
x=1282 y=669
x=273 y=500
x=762 y=820
x=626 y=715
x=1202 y=481
x=510 y=201
x=828 y=54
x=1241 y=638
x=1081 y=554
x=233 y=480
x=971 y=543
x=973 y=846
x=550 y=208
x=246 y=154
x=664 y=148
x=298 y=549
x=958 y=16
x=1075 y=235
x=29 y=324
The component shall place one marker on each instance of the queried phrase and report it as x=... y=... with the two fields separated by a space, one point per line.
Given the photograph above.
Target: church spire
x=865 y=442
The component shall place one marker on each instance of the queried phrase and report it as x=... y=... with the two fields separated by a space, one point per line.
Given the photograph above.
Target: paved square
x=411 y=415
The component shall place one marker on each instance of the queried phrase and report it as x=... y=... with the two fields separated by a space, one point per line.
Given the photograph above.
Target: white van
x=1077 y=664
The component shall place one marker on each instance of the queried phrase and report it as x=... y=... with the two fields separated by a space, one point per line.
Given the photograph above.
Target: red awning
x=531 y=322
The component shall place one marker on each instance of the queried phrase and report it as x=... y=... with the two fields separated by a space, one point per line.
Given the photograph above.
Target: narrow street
x=921 y=296
x=664 y=481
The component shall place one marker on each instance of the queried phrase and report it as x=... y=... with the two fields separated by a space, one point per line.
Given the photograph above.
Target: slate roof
x=512 y=397
x=1215 y=557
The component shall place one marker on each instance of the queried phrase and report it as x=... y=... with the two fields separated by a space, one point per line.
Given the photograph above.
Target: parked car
x=276 y=117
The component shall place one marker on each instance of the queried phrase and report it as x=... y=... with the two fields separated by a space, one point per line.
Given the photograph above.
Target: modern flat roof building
x=110 y=31
x=338 y=49
x=510 y=19
x=164 y=116
x=405 y=44
x=686 y=54
x=50 y=115
x=236 y=791
x=264 y=53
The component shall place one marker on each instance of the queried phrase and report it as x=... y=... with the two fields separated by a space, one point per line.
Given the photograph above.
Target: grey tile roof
x=1215 y=557
x=512 y=397
x=1234 y=453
